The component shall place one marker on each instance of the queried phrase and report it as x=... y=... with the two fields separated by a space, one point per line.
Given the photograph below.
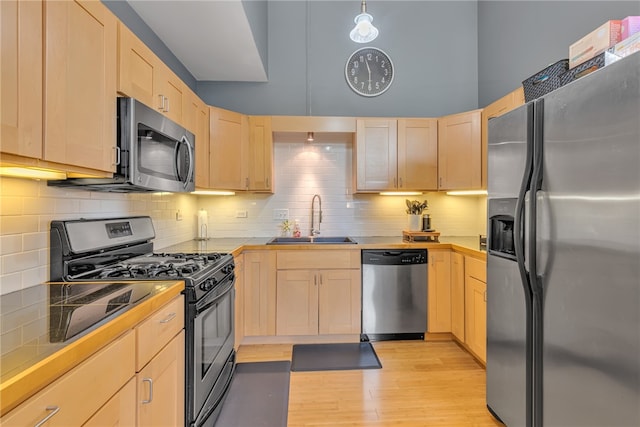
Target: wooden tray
x=420 y=236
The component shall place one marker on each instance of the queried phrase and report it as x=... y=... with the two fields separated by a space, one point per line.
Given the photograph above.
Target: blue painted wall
x=449 y=56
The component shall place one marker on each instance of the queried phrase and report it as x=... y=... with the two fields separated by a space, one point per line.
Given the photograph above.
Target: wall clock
x=369 y=71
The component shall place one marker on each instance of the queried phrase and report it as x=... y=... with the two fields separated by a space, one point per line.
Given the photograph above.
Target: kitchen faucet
x=315 y=232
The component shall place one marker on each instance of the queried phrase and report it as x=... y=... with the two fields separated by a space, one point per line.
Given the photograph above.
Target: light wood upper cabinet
x=417 y=154
x=457 y=295
x=196 y=119
x=396 y=154
x=80 y=84
x=21 y=77
x=142 y=75
x=460 y=151
x=497 y=108
x=228 y=135
x=260 y=158
x=376 y=154
x=476 y=307
x=259 y=293
x=439 y=291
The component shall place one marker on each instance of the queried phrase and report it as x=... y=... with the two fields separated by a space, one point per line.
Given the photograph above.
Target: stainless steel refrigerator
x=563 y=261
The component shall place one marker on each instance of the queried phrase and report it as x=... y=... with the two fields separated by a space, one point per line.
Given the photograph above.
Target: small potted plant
x=286 y=228
x=414 y=210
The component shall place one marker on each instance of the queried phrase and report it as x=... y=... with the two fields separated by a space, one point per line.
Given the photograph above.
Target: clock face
x=369 y=71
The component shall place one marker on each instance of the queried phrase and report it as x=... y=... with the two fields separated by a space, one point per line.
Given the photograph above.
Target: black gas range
x=121 y=250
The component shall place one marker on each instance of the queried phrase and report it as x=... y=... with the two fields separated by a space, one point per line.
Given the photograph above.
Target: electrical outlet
x=281 y=214
x=242 y=214
x=178 y=215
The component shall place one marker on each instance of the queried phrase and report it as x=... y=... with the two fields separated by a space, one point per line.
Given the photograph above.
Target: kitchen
x=25 y=220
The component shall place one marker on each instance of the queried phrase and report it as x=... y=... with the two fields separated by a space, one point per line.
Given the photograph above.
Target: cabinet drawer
x=82 y=391
x=289 y=260
x=155 y=332
x=475 y=268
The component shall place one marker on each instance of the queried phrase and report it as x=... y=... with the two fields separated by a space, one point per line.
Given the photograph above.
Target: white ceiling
x=212 y=38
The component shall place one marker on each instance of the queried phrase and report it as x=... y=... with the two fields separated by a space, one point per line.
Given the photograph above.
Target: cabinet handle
x=433 y=261
x=150 y=381
x=320 y=279
x=440 y=184
x=117 y=150
x=315 y=280
x=246 y=183
x=54 y=410
x=394 y=183
x=267 y=180
x=400 y=182
x=169 y=318
x=485 y=296
x=167 y=108
x=161 y=99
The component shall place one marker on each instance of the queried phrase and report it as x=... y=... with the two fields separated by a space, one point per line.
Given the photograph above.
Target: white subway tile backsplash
x=11 y=244
x=34 y=241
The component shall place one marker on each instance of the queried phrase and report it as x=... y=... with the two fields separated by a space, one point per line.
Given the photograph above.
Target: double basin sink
x=341 y=240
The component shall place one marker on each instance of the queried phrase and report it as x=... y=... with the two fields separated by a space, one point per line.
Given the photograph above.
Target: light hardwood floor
x=421 y=383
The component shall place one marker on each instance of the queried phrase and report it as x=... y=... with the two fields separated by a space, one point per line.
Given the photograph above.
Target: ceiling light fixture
x=364 y=31
x=310 y=137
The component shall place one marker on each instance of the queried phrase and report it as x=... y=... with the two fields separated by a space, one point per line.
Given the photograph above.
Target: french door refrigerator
x=563 y=261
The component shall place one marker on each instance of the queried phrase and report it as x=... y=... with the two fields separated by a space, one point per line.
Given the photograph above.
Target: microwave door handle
x=191 y=161
x=187 y=178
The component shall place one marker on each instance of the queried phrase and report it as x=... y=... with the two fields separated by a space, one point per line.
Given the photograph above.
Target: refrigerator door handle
x=543 y=234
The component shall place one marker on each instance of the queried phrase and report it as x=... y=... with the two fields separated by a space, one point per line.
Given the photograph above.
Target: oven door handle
x=218 y=293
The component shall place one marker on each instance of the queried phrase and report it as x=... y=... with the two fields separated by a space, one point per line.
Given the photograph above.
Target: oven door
x=213 y=349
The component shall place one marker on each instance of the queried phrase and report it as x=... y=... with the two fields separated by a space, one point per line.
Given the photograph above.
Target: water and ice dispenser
x=500 y=234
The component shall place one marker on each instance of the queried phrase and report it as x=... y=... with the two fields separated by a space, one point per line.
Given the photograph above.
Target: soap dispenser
x=296 y=229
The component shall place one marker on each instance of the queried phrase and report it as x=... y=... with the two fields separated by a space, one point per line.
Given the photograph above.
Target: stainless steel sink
x=340 y=240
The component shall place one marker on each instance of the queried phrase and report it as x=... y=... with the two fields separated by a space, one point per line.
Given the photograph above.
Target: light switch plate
x=242 y=214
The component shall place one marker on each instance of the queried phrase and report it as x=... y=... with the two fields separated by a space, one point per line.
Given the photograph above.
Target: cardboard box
x=627 y=46
x=595 y=42
x=629 y=26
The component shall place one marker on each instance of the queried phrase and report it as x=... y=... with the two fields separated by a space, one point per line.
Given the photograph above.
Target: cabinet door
x=457 y=295
x=376 y=155
x=460 y=151
x=476 y=316
x=339 y=301
x=21 y=77
x=297 y=302
x=160 y=387
x=137 y=66
x=228 y=150
x=119 y=411
x=80 y=84
x=239 y=301
x=260 y=154
x=495 y=109
x=439 y=292
x=417 y=154
x=170 y=95
x=259 y=293
x=197 y=121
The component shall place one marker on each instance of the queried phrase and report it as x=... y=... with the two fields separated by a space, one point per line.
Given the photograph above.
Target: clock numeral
x=355 y=79
x=386 y=72
x=383 y=80
x=383 y=63
x=369 y=56
x=369 y=87
x=355 y=64
x=361 y=58
x=377 y=85
x=353 y=72
x=362 y=85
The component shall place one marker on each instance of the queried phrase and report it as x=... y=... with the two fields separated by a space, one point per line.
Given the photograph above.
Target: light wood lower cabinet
x=476 y=307
x=119 y=411
x=457 y=295
x=259 y=293
x=315 y=299
x=160 y=387
x=75 y=397
x=239 y=301
x=439 y=291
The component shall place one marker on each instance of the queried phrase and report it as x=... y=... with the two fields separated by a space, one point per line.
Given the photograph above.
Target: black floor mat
x=258 y=396
x=334 y=357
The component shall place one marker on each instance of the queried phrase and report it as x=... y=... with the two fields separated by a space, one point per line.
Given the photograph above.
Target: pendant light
x=310 y=137
x=364 y=31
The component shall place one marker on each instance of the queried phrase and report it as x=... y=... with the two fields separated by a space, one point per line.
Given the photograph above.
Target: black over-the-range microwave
x=153 y=154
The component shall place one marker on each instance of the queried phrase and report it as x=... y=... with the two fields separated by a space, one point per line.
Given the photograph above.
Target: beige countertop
x=467 y=244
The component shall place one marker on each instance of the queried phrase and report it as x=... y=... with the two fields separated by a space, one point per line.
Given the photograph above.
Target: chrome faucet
x=315 y=232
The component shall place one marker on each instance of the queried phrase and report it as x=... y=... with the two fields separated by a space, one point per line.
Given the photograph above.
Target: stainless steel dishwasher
x=394 y=294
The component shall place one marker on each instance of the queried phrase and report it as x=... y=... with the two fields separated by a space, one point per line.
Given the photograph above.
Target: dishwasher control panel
x=394 y=257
